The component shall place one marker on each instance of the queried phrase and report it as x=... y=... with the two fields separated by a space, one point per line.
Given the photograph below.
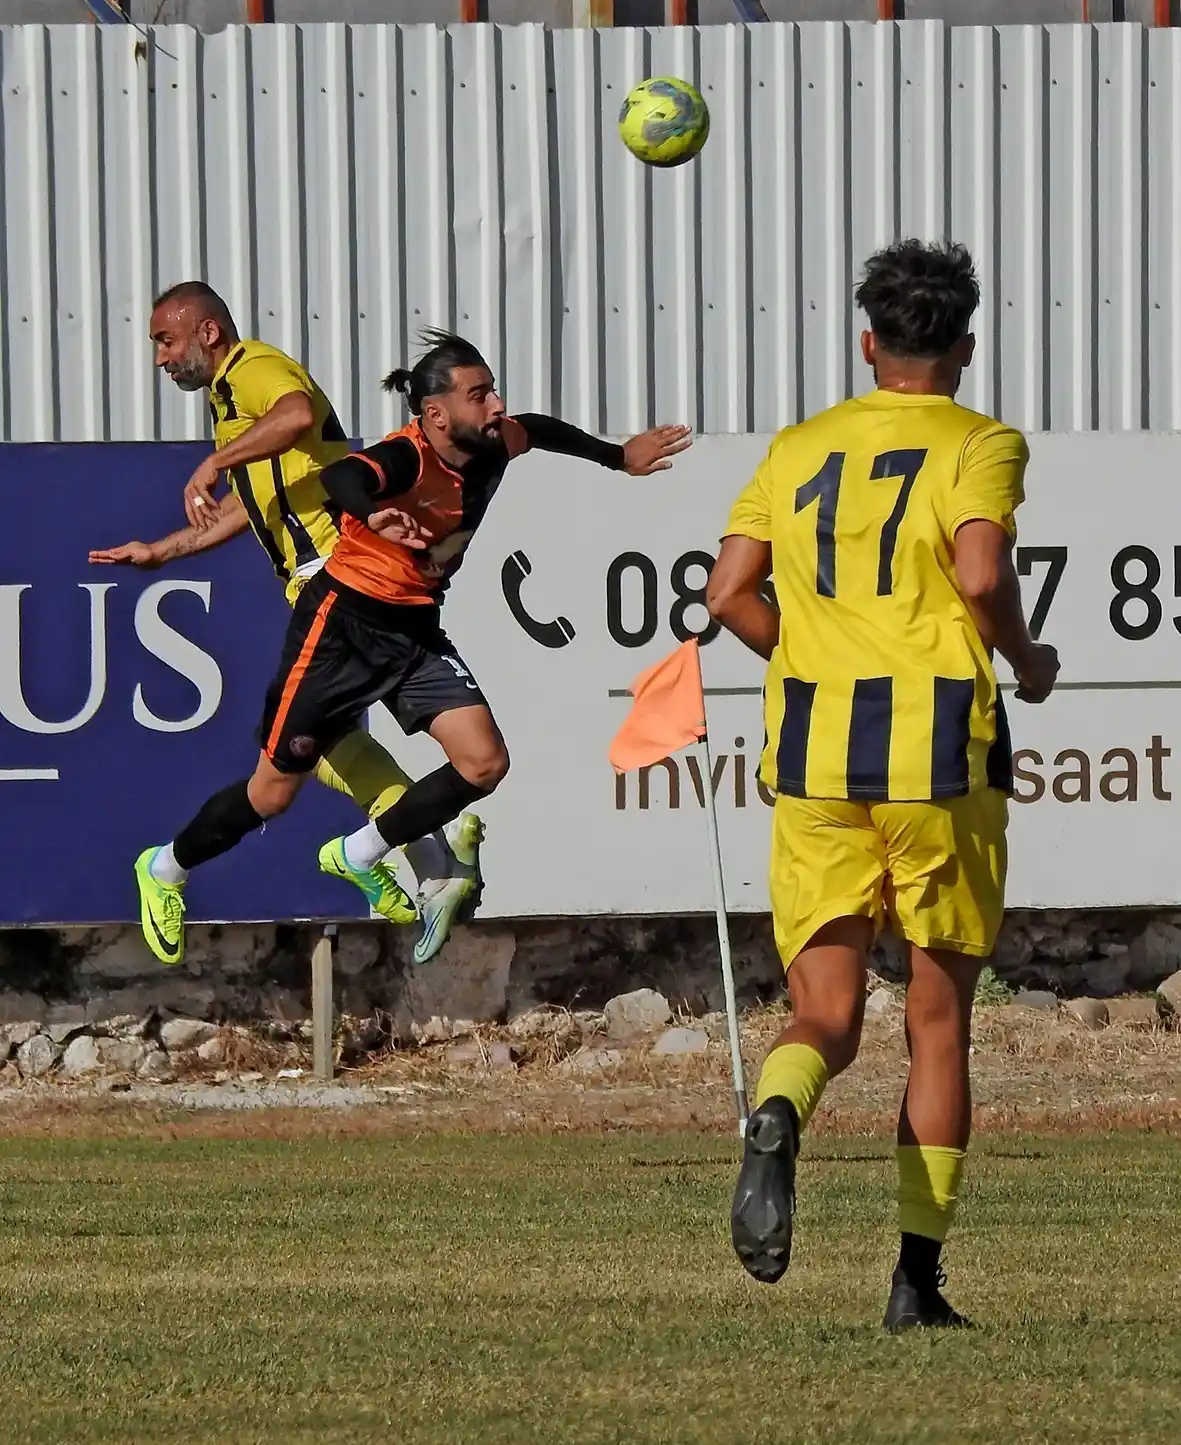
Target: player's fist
x=131 y=554
x=651 y=450
x=1038 y=673
x=399 y=527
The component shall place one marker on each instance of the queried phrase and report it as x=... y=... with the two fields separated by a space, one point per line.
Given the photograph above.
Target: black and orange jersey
x=283 y=496
x=448 y=502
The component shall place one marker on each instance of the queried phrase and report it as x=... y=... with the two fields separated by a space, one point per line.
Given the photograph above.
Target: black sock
x=426 y=805
x=918 y=1260
x=220 y=825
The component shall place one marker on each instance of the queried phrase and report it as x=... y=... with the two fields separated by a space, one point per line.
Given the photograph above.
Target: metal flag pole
x=715 y=858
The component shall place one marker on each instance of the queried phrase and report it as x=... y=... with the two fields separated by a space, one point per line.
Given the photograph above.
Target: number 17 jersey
x=880 y=687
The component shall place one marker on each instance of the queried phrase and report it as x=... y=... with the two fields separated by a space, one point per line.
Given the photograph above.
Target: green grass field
x=571 y=1289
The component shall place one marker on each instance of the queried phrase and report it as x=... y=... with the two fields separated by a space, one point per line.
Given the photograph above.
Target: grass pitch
x=571 y=1289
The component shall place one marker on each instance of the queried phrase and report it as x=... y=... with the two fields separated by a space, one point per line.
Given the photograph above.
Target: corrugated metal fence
x=344 y=186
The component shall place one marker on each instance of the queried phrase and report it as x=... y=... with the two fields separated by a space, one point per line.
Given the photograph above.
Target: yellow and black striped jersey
x=283 y=497
x=880 y=687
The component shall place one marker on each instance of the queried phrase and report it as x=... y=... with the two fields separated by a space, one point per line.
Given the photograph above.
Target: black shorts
x=344 y=652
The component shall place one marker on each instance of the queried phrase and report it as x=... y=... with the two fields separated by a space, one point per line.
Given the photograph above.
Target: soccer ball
x=664 y=122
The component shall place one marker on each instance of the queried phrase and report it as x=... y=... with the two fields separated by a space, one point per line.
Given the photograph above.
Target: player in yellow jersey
x=887 y=526
x=274 y=433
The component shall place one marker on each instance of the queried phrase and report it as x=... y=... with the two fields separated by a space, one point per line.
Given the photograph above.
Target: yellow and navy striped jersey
x=880 y=687
x=283 y=497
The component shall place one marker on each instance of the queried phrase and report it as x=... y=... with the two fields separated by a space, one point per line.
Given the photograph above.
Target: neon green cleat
x=378 y=884
x=161 y=911
x=444 y=903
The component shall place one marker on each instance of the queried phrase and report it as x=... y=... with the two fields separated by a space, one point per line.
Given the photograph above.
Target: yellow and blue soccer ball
x=664 y=122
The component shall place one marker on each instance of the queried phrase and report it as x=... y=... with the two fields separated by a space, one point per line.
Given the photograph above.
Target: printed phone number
x=639 y=599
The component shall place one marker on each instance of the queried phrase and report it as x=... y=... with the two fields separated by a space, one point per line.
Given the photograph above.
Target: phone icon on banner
x=557 y=633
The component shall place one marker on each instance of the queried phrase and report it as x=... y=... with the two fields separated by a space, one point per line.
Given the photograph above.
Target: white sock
x=165 y=869
x=431 y=858
x=364 y=848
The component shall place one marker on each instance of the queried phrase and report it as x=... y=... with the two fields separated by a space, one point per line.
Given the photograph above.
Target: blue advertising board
x=127 y=697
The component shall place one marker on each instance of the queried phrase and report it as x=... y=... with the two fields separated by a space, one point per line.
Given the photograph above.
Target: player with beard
x=366 y=628
x=274 y=433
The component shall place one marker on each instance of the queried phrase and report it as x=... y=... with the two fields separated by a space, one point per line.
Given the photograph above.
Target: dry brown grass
x=1031 y=1071
x=603 y=1110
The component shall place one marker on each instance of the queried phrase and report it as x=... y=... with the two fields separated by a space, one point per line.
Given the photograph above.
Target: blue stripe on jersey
x=867 y=769
x=950 y=735
x=791 y=759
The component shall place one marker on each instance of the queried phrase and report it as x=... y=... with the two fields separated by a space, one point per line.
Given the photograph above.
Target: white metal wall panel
x=346 y=186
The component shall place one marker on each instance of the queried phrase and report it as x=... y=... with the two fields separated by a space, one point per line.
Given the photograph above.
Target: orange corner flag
x=668 y=712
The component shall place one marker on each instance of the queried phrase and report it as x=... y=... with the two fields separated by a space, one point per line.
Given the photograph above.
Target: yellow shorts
x=295 y=586
x=935 y=870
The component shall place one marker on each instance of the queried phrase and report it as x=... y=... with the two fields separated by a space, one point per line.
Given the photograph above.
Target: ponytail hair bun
x=431 y=374
x=398 y=380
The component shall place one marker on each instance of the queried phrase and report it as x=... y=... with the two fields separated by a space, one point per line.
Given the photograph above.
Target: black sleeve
x=363 y=483
x=550 y=434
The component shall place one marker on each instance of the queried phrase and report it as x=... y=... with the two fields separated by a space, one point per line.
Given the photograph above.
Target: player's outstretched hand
x=200 y=503
x=400 y=527
x=1038 y=674
x=131 y=554
x=650 y=451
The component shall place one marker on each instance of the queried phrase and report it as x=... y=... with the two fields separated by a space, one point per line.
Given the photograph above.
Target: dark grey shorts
x=344 y=652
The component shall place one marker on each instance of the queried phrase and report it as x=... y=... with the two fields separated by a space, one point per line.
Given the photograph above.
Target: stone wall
x=260 y=974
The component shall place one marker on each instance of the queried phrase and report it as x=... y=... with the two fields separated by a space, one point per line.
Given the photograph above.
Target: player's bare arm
x=229 y=521
x=270 y=436
x=988 y=583
x=735 y=594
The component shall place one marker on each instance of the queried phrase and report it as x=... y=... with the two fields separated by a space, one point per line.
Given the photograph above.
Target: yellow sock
x=928 y=1183
x=359 y=766
x=795 y=1072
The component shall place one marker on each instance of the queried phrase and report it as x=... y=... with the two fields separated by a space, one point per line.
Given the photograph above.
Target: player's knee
x=835 y=1022
x=937 y=1019
x=828 y=998
x=487 y=768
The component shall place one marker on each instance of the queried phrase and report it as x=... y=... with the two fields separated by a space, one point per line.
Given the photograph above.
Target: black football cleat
x=765 y=1196
x=913 y=1308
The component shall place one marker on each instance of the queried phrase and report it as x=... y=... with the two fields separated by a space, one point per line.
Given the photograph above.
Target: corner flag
x=669 y=714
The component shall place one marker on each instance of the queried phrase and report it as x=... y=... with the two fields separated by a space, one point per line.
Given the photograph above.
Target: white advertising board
x=580 y=578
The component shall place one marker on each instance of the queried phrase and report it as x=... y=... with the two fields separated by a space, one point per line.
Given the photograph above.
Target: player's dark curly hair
x=919 y=297
x=431 y=374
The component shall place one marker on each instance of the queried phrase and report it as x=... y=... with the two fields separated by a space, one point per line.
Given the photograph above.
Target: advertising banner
x=127 y=697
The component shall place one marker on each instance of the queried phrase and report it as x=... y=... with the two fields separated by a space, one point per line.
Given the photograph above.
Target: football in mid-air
x=664 y=122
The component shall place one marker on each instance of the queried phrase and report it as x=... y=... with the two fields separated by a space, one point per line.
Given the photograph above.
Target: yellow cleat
x=378 y=884
x=161 y=911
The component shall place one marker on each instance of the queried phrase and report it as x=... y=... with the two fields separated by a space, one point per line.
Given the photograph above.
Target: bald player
x=275 y=432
